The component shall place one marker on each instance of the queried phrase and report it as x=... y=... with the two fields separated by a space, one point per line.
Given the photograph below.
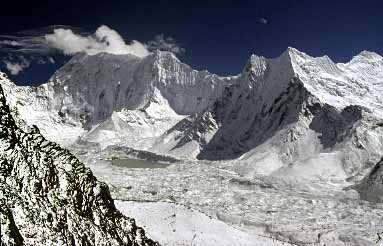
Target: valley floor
x=209 y=201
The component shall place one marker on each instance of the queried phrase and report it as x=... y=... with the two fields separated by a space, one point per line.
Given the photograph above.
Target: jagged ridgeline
x=47 y=197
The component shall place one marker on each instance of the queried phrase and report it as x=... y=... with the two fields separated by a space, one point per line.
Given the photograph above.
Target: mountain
x=47 y=197
x=116 y=94
x=295 y=114
x=289 y=137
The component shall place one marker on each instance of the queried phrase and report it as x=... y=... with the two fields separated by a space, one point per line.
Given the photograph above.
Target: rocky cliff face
x=47 y=197
x=371 y=187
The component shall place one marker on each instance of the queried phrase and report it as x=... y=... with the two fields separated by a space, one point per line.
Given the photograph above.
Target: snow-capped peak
x=88 y=90
x=366 y=56
x=357 y=82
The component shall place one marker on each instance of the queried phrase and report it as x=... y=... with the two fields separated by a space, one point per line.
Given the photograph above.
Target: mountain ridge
x=291 y=108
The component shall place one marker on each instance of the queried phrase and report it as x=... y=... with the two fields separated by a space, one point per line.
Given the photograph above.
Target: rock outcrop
x=47 y=197
x=371 y=187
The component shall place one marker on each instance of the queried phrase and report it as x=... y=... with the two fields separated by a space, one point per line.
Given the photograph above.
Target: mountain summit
x=278 y=115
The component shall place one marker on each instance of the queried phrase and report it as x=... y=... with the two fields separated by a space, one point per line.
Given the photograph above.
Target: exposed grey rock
x=47 y=197
x=335 y=126
x=371 y=188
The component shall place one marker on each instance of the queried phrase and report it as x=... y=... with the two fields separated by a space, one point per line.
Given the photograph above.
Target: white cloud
x=10 y=43
x=43 y=60
x=105 y=39
x=30 y=43
x=263 y=21
x=42 y=45
x=165 y=44
x=16 y=68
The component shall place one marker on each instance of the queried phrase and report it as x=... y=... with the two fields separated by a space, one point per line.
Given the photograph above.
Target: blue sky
x=216 y=35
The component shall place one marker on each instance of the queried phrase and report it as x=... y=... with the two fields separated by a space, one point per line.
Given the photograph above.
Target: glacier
x=294 y=130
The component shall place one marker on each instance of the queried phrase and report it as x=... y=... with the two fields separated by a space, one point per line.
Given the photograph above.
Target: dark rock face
x=250 y=121
x=371 y=188
x=47 y=197
x=335 y=126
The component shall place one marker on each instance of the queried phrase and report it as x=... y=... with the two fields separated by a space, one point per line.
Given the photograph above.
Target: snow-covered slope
x=298 y=121
x=145 y=95
x=183 y=227
x=47 y=197
x=292 y=114
x=32 y=106
x=98 y=85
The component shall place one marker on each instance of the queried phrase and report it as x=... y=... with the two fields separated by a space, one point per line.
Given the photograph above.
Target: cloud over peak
x=46 y=45
x=104 y=39
x=163 y=43
x=16 y=67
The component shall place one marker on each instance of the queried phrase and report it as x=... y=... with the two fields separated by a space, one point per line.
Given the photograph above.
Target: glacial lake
x=133 y=163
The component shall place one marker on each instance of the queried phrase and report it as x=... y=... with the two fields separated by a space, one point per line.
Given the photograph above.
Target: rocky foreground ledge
x=48 y=197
